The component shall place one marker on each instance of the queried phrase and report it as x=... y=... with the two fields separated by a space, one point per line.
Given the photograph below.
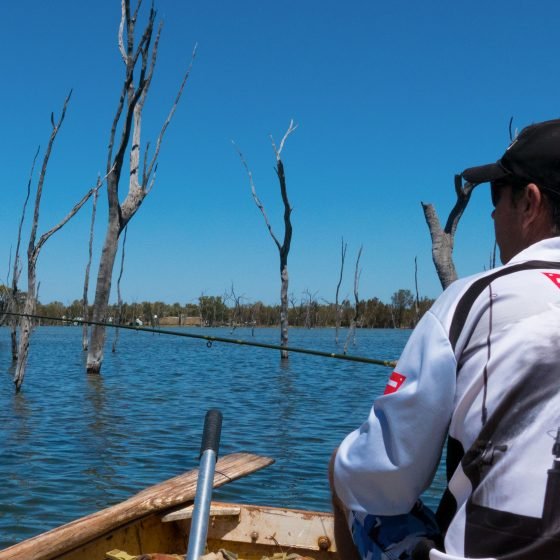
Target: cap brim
x=485 y=173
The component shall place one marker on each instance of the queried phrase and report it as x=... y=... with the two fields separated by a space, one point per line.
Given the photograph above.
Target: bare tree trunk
x=310 y=303
x=417 y=300
x=13 y=308
x=337 y=307
x=201 y=315
x=354 y=322
x=129 y=116
x=443 y=239
x=13 y=333
x=25 y=328
x=307 y=321
x=119 y=299
x=85 y=311
x=103 y=289
x=236 y=316
x=284 y=248
x=13 y=303
x=296 y=311
x=5 y=293
x=33 y=250
x=284 y=324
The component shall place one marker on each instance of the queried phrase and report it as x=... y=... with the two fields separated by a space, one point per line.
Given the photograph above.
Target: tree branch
x=256 y=198
x=353 y=324
x=463 y=193
x=132 y=94
x=44 y=238
x=337 y=308
x=291 y=129
x=17 y=261
x=169 y=117
x=287 y=208
x=56 y=128
x=88 y=267
x=121 y=31
x=119 y=298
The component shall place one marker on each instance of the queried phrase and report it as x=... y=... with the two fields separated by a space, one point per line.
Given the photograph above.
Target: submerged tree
x=338 y=308
x=4 y=300
x=354 y=321
x=33 y=250
x=85 y=306
x=16 y=267
x=120 y=315
x=309 y=303
x=284 y=247
x=142 y=58
x=235 y=319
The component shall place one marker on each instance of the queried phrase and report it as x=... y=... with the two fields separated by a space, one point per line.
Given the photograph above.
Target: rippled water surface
x=72 y=443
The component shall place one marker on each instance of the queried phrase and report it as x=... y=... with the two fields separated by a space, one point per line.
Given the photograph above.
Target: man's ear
x=533 y=202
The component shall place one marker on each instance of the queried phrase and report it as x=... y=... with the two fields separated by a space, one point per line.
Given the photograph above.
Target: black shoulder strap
x=455 y=451
x=467 y=300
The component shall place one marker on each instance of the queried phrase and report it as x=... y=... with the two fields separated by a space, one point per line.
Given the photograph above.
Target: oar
x=203 y=496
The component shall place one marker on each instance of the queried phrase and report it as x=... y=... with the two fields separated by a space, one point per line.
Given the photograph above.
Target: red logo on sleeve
x=394 y=383
x=555 y=277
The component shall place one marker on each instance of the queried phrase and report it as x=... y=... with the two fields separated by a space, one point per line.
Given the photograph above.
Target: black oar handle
x=212 y=432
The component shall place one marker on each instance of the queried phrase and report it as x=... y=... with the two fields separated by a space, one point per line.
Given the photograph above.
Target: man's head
x=525 y=186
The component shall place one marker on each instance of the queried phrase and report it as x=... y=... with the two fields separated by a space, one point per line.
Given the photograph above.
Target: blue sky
x=391 y=98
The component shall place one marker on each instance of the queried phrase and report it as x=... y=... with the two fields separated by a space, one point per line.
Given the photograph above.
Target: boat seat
x=122 y=555
x=215 y=511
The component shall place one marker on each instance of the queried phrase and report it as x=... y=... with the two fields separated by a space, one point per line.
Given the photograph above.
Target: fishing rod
x=211 y=339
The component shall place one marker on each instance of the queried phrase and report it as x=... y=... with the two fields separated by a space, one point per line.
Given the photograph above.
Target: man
x=481 y=369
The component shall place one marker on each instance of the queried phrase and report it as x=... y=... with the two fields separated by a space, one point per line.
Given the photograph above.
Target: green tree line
x=403 y=311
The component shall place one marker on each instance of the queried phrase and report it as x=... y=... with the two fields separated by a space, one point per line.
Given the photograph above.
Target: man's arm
x=383 y=467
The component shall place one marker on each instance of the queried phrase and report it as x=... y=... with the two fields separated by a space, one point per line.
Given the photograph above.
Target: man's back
x=482 y=369
x=507 y=405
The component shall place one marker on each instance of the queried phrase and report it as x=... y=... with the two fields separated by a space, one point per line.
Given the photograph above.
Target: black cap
x=534 y=156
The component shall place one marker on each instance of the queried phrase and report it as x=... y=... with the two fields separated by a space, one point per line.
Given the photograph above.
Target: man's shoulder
x=445 y=304
x=464 y=292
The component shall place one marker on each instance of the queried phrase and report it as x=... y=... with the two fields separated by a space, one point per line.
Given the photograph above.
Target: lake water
x=73 y=443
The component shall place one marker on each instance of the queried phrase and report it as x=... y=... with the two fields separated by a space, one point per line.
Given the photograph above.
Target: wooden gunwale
x=60 y=542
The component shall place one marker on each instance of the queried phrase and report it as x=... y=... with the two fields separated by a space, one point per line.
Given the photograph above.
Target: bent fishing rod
x=211 y=339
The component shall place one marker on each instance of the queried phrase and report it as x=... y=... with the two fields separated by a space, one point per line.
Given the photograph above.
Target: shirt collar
x=545 y=250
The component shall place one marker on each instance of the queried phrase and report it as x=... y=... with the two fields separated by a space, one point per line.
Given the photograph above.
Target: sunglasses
x=495 y=193
x=497 y=187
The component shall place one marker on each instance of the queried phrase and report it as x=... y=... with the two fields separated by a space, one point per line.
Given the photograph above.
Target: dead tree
x=310 y=304
x=284 y=248
x=129 y=117
x=236 y=315
x=16 y=267
x=119 y=298
x=296 y=311
x=352 y=330
x=85 y=305
x=4 y=300
x=417 y=300
x=33 y=250
x=337 y=306
x=5 y=292
x=443 y=239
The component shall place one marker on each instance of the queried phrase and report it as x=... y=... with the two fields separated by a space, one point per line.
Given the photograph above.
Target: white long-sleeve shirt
x=483 y=365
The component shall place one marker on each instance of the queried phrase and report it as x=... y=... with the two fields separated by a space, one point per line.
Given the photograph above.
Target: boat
x=155 y=525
